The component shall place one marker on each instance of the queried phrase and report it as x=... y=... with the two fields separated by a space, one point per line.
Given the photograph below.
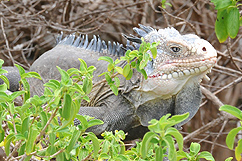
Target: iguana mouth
x=180 y=68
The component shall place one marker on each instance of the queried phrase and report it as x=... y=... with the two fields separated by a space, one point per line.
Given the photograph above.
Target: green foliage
x=136 y=59
x=164 y=3
x=194 y=154
x=228 y=19
x=159 y=142
x=43 y=127
x=4 y=78
x=230 y=139
x=34 y=128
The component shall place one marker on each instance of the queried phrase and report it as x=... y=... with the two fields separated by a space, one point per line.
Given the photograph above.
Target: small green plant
x=230 y=139
x=159 y=142
x=135 y=59
x=33 y=127
x=228 y=19
x=164 y=3
x=194 y=154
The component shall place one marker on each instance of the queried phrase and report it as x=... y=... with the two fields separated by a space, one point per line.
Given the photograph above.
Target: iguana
x=172 y=85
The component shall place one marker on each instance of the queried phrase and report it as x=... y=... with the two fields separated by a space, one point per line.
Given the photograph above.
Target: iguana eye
x=175 y=49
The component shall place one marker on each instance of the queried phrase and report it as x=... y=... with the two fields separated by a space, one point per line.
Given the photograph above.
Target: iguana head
x=180 y=59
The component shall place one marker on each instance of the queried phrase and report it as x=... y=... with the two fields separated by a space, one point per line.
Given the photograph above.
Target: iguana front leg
x=116 y=113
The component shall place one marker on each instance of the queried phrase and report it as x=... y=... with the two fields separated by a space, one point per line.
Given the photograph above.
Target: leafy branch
x=228 y=19
x=135 y=59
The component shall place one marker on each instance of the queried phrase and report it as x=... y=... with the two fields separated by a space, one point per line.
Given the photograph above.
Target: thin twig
x=47 y=124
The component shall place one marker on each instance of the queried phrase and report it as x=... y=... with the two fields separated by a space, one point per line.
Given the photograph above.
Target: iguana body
x=172 y=85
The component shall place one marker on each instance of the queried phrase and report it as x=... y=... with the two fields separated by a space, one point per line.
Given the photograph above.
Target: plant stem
x=47 y=124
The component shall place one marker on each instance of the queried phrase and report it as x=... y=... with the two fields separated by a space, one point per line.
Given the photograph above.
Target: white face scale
x=180 y=59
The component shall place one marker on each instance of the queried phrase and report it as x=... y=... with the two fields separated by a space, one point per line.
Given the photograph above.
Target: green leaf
x=66 y=111
x=76 y=134
x=154 y=52
x=110 y=67
x=146 y=143
x=16 y=94
x=106 y=58
x=5 y=79
x=171 y=148
x=144 y=61
x=103 y=156
x=87 y=85
x=83 y=121
x=33 y=132
x=231 y=137
x=94 y=122
x=11 y=107
x=52 y=137
x=122 y=147
x=219 y=4
x=155 y=126
x=119 y=70
x=73 y=71
x=232 y=110
x=206 y=155
x=220 y=25
x=91 y=69
x=43 y=118
x=3 y=87
x=229 y=159
x=158 y=154
x=108 y=78
x=30 y=75
x=175 y=133
x=129 y=75
x=143 y=72
x=3 y=97
x=27 y=158
x=83 y=65
x=122 y=158
x=20 y=137
x=114 y=89
x=25 y=125
x=182 y=154
x=117 y=61
x=7 y=142
x=133 y=64
x=117 y=81
x=126 y=70
x=240 y=21
x=95 y=143
x=133 y=54
x=65 y=79
x=78 y=88
x=233 y=22
x=194 y=148
x=21 y=69
x=2 y=134
x=2 y=71
x=178 y=118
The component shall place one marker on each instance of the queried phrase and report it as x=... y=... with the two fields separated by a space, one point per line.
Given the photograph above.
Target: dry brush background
x=28 y=28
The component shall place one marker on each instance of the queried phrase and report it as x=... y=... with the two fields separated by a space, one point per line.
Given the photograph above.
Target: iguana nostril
x=204 y=49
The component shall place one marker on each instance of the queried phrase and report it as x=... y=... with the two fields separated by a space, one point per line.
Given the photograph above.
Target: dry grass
x=29 y=28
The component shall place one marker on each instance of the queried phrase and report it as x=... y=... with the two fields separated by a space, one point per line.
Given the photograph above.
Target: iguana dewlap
x=172 y=85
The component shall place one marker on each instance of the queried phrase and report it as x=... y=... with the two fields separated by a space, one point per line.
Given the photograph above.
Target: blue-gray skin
x=172 y=85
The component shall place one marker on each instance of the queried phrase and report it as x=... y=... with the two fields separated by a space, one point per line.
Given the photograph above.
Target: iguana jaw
x=166 y=85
